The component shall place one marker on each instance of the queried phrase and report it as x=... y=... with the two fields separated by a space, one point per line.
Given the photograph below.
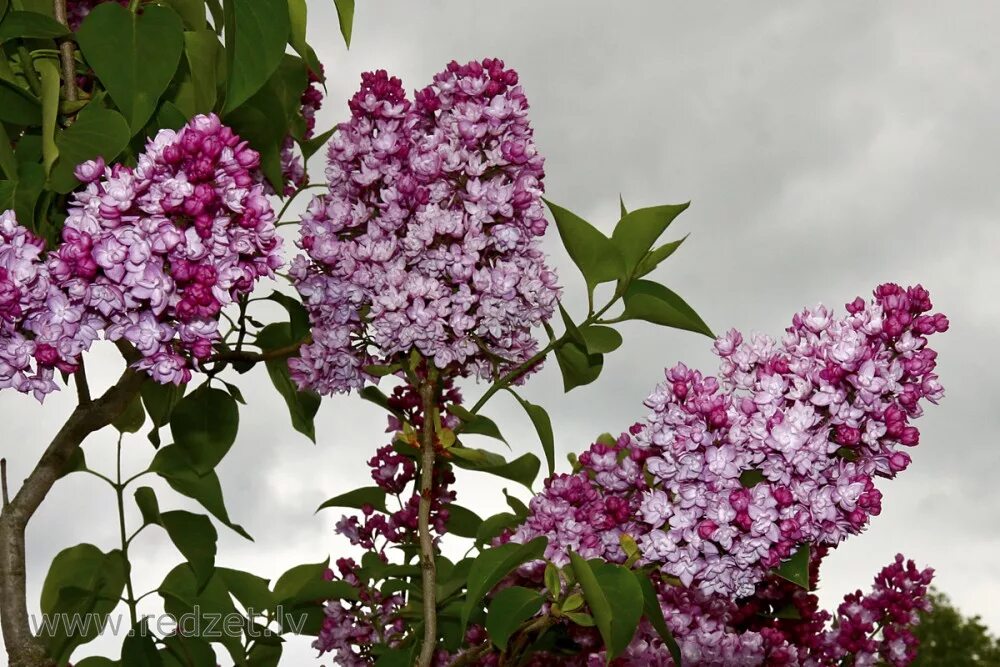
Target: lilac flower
x=428 y=237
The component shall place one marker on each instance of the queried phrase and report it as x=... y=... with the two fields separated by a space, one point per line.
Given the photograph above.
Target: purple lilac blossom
x=428 y=238
x=149 y=255
x=784 y=450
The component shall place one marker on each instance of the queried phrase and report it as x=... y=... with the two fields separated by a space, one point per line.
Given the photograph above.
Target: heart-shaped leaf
x=256 y=34
x=134 y=55
x=97 y=132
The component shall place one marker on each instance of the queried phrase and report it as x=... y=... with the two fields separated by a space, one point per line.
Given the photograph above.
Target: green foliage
x=134 y=55
x=302 y=405
x=652 y=302
x=490 y=567
x=81 y=580
x=508 y=609
x=796 y=567
x=96 y=132
x=345 y=15
x=950 y=639
x=204 y=425
x=256 y=34
x=522 y=470
x=615 y=598
x=543 y=426
x=368 y=495
x=597 y=257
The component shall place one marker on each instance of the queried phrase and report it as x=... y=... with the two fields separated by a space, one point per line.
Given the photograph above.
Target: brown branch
x=255 y=357
x=66 y=52
x=82 y=386
x=23 y=648
x=3 y=481
x=428 y=568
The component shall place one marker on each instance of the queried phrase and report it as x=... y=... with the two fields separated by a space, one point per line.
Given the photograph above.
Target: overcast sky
x=826 y=147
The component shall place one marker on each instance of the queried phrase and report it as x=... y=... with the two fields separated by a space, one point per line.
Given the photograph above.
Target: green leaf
x=492 y=526
x=345 y=15
x=298 y=316
x=543 y=426
x=463 y=522
x=311 y=146
x=50 y=111
x=134 y=55
x=796 y=568
x=22 y=195
x=655 y=256
x=29 y=25
x=522 y=470
x=195 y=537
x=204 y=424
x=97 y=661
x=18 y=106
x=302 y=404
x=192 y=12
x=615 y=599
x=356 y=499
x=581 y=619
x=373 y=394
x=252 y=591
x=621 y=206
x=149 y=507
x=139 y=648
x=553 y=582
x=77 y=462
x=192 y=650
x=199 y=605
x=578 y=367
x=297 y=15
x=594 y=254
x=509 y=608
x=256 y=34
x=264 y=655
x=491 y=566
x=160 y=401
x=476 y=423
x=637 y=231
x=654 y=614
x=132 y=419
x=516 y=504
x=306 y=583
x=204 y=52
x=81 y=580
x=600 y=339
x=173 y=465
x=597 y=600
x=652 y=302
x=751 y=478
x=96 y=133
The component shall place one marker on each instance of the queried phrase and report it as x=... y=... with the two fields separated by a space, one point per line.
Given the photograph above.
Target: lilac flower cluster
x=149 y=255
x=292 y=167
x=428 y=236
x=724 y=480
x=40 y=329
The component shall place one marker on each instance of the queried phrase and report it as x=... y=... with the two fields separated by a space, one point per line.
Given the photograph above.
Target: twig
x=82 y=387
x=23 y=648
x=3 y=481
x=244 y=355
x=66 y=52
x=428 y=568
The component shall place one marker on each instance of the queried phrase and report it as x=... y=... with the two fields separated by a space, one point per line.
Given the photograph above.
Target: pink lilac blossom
x=149 y=255
x=428 y=238
x=41 y=330
x=725 y=479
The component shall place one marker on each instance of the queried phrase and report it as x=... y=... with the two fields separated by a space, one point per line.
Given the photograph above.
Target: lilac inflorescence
x=726 y=478
x=149 y=255
x=428 y=238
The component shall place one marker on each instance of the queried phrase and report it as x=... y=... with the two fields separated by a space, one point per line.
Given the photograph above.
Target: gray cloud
x=826 y=147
